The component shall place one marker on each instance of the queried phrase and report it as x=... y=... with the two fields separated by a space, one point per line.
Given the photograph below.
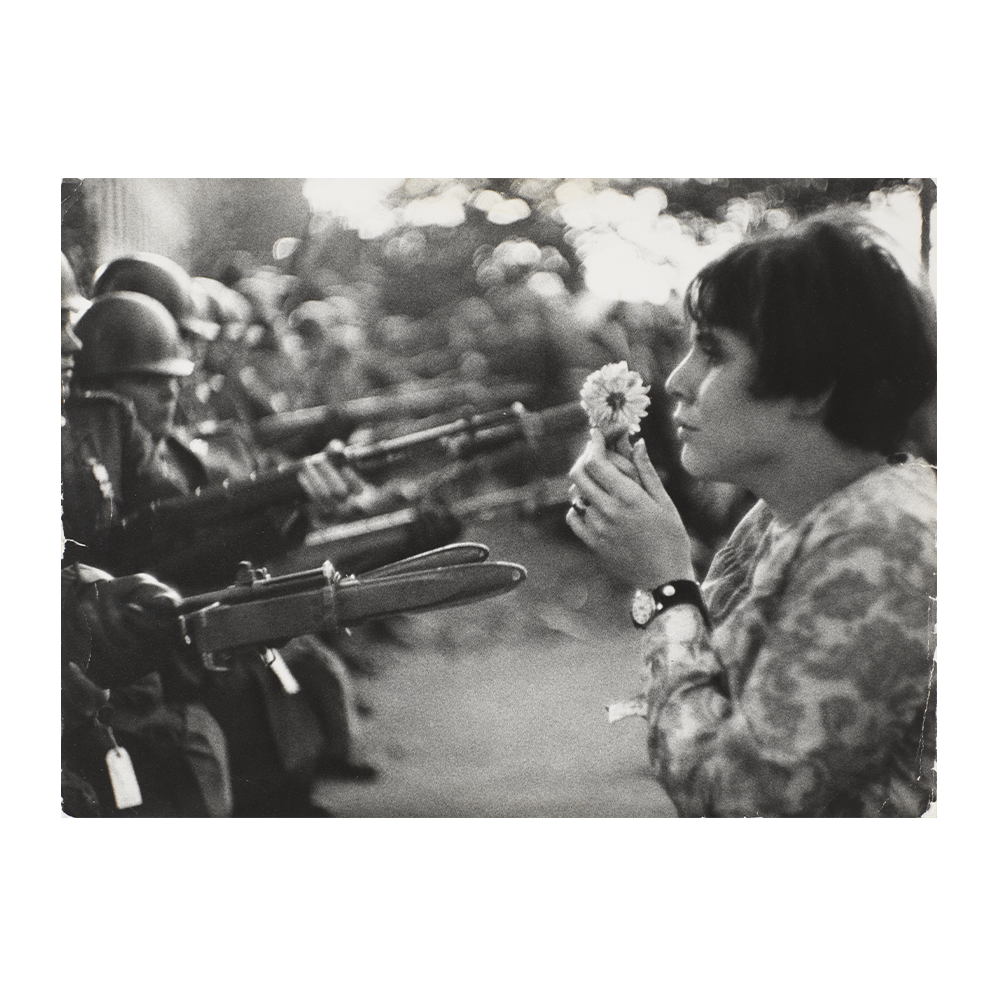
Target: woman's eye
x=707 y=348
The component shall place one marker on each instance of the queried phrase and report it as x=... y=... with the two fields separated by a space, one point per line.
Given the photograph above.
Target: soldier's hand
x=82 y=699
x=435 y=524
x=128 y=624
x=325 y=484
x=336 y=491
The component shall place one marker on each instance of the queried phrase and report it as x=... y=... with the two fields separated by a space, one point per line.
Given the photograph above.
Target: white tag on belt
x=281 y=671
x=124 y=783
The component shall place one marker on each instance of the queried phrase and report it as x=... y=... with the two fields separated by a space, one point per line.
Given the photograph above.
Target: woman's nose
x=679 y=383
x=171 y=389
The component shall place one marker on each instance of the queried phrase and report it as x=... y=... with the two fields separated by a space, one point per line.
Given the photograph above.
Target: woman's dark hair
x=827 y=308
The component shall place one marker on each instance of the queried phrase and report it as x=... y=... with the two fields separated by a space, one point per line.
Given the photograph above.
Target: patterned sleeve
x=837 y=670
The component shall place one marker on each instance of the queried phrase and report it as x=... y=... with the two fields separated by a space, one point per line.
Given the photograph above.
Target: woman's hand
x=624 y=514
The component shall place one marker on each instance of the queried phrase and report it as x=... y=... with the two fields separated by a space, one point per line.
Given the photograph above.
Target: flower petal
x=615 y=399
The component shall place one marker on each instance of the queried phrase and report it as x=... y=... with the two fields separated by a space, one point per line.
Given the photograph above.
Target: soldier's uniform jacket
x=111 y=467
x=207 y=558
x=276 y=737
x=107 y=472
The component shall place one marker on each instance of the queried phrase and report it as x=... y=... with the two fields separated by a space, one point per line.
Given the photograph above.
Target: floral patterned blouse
x=814 y=691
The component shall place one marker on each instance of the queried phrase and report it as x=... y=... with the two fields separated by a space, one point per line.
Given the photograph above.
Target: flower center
x=616 y=401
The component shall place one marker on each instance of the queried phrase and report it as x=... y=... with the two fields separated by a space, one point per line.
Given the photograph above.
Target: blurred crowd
x=232 y=400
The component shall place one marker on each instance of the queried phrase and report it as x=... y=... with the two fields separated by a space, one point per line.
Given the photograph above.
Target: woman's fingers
x=576 y=500
x=648 y=476
x=584 y=493
x=602 y=476
x=626 y=517
x=581 y=520
x=613 y=484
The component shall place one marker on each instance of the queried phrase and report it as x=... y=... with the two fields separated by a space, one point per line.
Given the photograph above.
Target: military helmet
x=125 y=333
x=313 y=317
x=225 y=305
x=263 y=295
x=160 y=278
x=71 y=297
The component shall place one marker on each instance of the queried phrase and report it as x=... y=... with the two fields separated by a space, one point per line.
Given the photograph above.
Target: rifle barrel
x=276 y=429
x=380 y=453
x=289 y=583
x=548 y=493
x=459 y=438
x=425 y=402
x=473 y=434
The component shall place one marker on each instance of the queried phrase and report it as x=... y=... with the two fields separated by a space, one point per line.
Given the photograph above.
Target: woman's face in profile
x=726 y=434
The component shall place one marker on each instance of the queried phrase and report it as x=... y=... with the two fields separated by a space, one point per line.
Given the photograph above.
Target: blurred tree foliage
x=244 y=215
x=513 y=227
x=217 y=218
x=502 y=230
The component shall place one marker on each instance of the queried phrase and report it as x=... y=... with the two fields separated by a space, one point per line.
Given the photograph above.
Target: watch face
x=643 y=606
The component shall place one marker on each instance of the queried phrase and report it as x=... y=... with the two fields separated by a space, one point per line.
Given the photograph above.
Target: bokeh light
x=630 y=248
x=285 y=247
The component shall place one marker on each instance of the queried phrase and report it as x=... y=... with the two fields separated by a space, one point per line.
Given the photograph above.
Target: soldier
x=132 y=349
x=282 y=719
x=107 y=459
x=234 y=392
x=115 y=631
x=107 y=467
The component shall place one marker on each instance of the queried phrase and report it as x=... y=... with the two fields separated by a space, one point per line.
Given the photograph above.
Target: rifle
x=357 y=546
x=161 y=528
x=260 y=610
x=298 y=432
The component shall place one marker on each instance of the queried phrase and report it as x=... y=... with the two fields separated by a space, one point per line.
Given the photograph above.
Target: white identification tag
x=103 y=480
x=124 y=783
x=281 y=671
x=624 y=709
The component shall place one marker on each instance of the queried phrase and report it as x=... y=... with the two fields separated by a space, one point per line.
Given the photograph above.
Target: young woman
x=798 y=679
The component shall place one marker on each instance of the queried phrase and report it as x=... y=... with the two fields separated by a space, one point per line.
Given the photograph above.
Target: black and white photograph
x=499 y=497
x=497 y=519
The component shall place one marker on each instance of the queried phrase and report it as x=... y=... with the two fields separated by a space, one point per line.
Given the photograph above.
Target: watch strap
x=675 y=592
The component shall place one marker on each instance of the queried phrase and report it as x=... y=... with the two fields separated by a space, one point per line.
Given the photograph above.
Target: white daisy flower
x=615 y=400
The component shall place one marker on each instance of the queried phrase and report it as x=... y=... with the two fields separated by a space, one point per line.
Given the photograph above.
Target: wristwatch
x=647 y=604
